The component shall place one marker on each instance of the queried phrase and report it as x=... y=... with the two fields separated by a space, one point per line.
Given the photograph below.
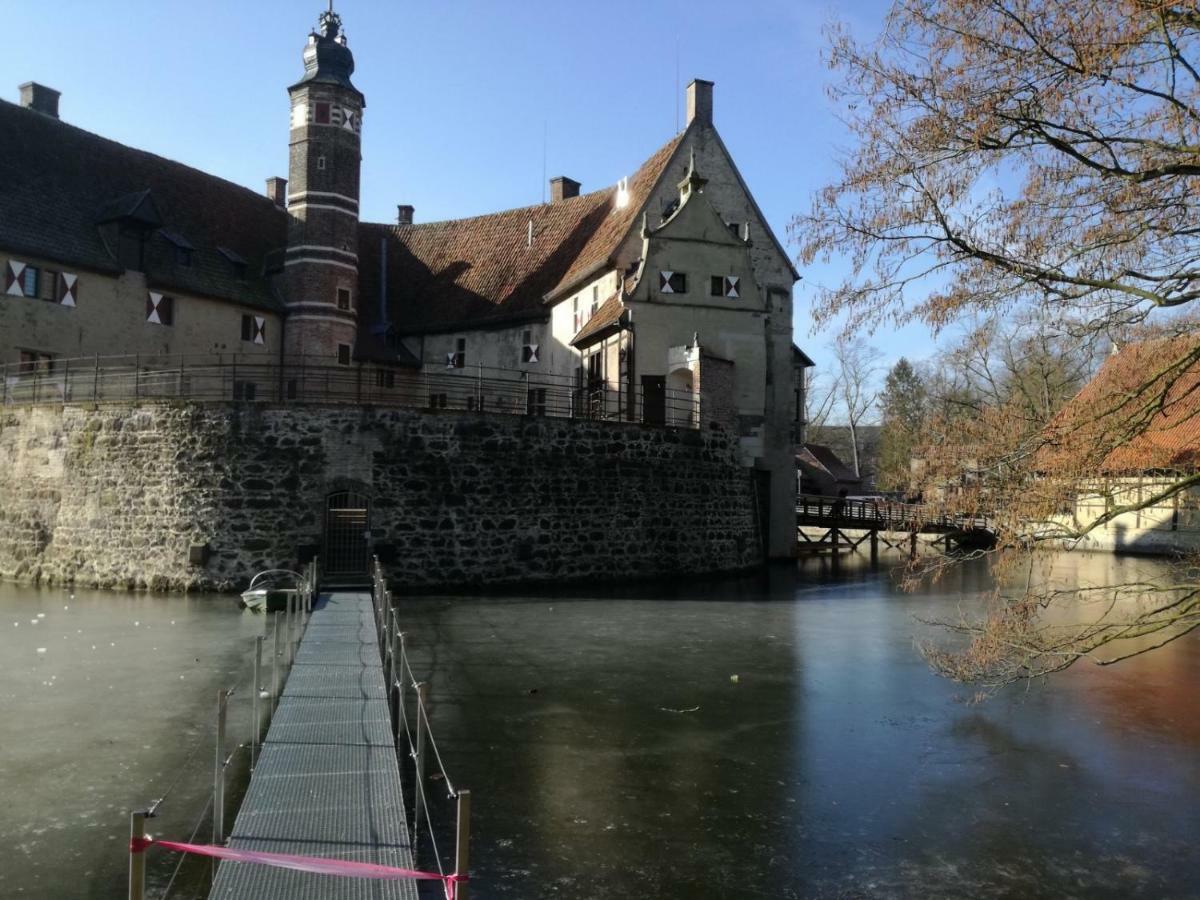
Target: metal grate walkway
x=326 y=783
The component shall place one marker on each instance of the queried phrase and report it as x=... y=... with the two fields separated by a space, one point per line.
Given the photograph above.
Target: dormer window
x=181 y=248
x=672 y=282
x=735 y=228
x=238 y=264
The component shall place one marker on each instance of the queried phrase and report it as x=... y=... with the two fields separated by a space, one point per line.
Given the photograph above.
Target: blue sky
x=460 y=93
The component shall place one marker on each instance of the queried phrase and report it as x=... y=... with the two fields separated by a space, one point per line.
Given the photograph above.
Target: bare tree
x=820 y=394
x=1038 y=157
x=857 y=387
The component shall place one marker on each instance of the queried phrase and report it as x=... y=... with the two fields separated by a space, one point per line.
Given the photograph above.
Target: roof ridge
x=560 y=204
x=500 y=212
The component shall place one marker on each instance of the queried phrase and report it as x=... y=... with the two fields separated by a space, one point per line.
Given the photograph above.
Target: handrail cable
x=421 y=711
x=182 y=856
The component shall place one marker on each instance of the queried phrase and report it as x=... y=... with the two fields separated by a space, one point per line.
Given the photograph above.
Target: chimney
x=563 y=188
x=700 y=102
x=40 y=98
x=277 y=190
x=404 y=214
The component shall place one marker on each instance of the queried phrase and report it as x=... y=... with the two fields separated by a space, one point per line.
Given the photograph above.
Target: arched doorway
x=347 y=535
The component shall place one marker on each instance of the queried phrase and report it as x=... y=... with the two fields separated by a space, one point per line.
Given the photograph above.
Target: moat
x=611 y=752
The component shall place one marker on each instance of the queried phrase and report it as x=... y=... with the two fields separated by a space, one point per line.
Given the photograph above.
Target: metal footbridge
x=326 y=783
x=324 y=813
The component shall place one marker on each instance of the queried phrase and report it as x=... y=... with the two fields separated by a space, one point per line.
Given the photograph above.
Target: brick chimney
x=404 y=214
x=277 y=190
x=40 y=98
x=563 y=188
x=700 y=102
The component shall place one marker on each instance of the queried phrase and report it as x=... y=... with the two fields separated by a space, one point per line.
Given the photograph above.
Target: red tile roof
x=485 y=270
x=608 y=314
x=1140 y=413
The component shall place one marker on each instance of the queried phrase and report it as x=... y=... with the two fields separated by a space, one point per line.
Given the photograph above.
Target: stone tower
x=321 y=280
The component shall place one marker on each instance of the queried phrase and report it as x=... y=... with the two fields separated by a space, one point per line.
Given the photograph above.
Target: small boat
x=271 y=590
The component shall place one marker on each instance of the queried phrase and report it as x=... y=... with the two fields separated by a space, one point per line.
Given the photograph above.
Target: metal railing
x=421 y=746
x=251 y=379
x=289 y=627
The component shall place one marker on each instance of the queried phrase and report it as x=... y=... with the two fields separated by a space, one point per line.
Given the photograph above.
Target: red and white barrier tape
x=315 y=864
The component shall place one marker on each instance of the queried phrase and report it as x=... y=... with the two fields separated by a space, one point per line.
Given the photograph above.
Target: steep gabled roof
x=498 y=268
x=59 y=182
x=1140 y=413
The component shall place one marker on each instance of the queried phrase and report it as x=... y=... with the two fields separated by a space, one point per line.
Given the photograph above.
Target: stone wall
x=190 y=497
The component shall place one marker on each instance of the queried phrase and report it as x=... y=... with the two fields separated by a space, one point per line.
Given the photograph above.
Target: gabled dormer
x=694 y=257
x=126 y=224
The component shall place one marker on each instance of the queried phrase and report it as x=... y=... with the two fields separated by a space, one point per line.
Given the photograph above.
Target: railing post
x=462 y=845
x=389 y=661
x=400 y=721
x=255 y=726
x=275 y=667
x=66 y=380
x=419 y=762
x=137 y=375
x=219 y=773
x=137 y=858
x=396 y=675
x=290 y=636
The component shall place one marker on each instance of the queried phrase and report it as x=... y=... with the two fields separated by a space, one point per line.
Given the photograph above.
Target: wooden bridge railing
x=880 y=515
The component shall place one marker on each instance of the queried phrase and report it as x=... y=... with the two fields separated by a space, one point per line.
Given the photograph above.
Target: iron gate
x=347 y=535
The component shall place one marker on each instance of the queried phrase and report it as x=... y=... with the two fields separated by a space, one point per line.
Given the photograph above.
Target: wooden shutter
x=67 y=284
x=12 y=278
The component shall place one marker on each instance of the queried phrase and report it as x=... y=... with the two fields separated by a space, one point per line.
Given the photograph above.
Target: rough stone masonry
x=200 y=497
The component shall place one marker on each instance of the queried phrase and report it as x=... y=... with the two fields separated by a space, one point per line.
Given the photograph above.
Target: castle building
x=664 y=299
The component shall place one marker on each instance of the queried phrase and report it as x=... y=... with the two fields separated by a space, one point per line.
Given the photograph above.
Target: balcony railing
x=221 y=379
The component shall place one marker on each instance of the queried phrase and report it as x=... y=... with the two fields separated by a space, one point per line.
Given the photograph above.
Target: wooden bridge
x=848 y=522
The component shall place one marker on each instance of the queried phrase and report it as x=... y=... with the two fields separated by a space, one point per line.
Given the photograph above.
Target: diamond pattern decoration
x=532 y=354
x=66 y=288
x=12 y=278
x=731 y=287
x=260 y=330
x=664 y=283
